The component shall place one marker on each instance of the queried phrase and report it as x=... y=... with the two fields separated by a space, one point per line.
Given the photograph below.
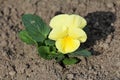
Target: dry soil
x=19 y=61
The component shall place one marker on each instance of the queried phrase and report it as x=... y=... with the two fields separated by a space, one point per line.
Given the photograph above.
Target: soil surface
x=19 y=61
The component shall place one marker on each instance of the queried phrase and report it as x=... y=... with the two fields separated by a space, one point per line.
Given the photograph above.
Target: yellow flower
x=67 y=32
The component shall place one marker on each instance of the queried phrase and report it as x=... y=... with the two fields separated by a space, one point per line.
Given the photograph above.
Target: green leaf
x=35 y=27
x=53 y=48
x=45 y=53
x=59 y=57
x=82 y=52
x=70 y=61
x=50 y=42
x=25 y=37
x=51 y=56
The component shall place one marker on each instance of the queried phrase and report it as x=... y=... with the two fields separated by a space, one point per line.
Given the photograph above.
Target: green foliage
x=49 y=42
x=25 y=37
x=82 y=52
x=35 y=27
x=59 y=57
x=70 y=61
x=36 y=32
x=44 y=52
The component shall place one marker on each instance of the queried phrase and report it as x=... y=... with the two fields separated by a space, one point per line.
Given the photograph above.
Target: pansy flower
x=67 y=31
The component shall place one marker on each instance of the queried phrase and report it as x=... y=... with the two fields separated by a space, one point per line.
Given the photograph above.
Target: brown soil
x=19 y=61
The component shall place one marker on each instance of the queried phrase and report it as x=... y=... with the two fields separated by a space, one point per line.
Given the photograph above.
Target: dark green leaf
x=59 y=57
x=53 y=48
x=50 y=42
x=39 y=44
x=82 y=52
x=25 y=37
x=45 y=53
x=35 y=27
x=51 y=56
x=70 y=61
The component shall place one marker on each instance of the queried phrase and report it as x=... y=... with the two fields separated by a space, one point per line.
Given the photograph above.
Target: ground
x=19 y=61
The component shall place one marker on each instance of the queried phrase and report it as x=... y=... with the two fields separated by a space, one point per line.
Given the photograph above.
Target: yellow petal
x=67 y=45
x=78 y=33
x=58 y=33
x=77 y=21
x=59 y=20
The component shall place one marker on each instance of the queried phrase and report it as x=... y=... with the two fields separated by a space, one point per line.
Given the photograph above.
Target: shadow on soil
x=99 y=26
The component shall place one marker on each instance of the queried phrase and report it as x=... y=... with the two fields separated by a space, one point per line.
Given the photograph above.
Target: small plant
x=60 y=40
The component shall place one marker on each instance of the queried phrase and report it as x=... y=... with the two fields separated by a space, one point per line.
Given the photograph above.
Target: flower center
x=67 y=39
x=68 y=42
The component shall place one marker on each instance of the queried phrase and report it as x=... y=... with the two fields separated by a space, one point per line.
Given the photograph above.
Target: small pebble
x=70 y=76
x=109 y=5
x=12 y=73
